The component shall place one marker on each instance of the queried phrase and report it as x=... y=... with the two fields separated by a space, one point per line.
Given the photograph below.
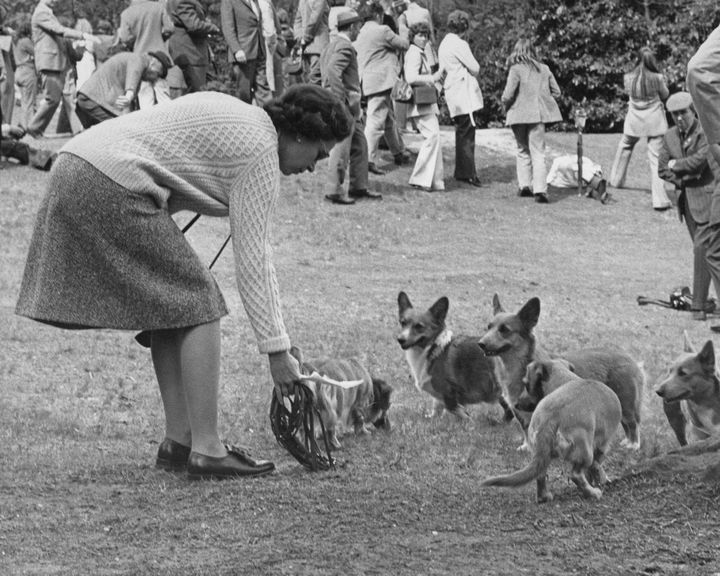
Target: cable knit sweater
x=213 y=154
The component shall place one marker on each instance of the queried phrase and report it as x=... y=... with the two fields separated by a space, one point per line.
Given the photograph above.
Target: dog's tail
x=544 y=444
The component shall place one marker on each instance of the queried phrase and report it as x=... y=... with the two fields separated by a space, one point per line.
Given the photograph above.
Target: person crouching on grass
x=110 y=198
x=112 y=89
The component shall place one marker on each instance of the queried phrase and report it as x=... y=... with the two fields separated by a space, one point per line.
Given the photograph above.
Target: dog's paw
x=626 y=443
x=544 y=498
x=592 y=493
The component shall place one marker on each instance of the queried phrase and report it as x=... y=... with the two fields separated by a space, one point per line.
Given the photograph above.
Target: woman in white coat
x=645 y=118
x=462 y=92
x=428 y=171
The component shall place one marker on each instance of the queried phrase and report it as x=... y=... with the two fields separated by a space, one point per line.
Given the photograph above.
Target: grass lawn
x=82 y=416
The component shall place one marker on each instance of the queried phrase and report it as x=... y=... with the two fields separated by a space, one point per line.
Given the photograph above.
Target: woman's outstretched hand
x=285 y=371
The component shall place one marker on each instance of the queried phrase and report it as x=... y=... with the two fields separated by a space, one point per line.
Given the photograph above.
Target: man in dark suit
x=339 y=71
x=51 y=60
x=188 y=45
x=241 y=22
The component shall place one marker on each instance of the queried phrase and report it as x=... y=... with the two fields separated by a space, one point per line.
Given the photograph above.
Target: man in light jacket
x=377 y=48
x=51 y=61
x=312 y=34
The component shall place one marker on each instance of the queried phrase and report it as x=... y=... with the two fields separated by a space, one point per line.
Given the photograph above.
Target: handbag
x=424 y=95
x=294 y=64
x=401 y=91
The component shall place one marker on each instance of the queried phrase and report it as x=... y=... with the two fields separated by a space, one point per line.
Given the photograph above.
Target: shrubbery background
x=588 y=44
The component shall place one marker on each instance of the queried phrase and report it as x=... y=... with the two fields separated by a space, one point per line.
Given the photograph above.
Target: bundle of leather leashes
x=292 y=419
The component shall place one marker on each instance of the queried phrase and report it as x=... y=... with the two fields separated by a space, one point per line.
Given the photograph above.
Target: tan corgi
x=542 y=378
x=691 y=392
x=343 y=409
x=510 y=337
x=452 y=369
x=577 y=423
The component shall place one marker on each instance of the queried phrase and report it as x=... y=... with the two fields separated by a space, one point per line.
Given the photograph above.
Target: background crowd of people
x=162 y=49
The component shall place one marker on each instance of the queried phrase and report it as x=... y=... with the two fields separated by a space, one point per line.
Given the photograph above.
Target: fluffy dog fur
x=576 y=422
x=691 y=393
x=452 y=369
x=510 y=337
x=343 y=409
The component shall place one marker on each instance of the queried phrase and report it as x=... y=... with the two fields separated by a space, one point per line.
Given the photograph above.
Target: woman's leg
x=464 y=148
x=536 y=141
x=622 y=159
x=428 y=170
x=659 y=196
x=523 y=163
x=187 y=365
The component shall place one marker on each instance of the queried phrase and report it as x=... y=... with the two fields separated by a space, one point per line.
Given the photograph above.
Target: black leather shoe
x=541 y=198
x=374 y=169
x=401 y=158
x=525 y=192
x=337 y=199
x=236 y=463
x=474 y=181
x=172 y=455
x=365 y=193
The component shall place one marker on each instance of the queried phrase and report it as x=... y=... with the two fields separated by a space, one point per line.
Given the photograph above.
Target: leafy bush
x=588 y=45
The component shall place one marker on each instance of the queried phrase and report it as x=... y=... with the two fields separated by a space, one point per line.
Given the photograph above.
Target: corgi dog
x=576 y=422
x=452 y=369
x=542 y=378
x=691 y=392
x=343 y=409
x=510 y=337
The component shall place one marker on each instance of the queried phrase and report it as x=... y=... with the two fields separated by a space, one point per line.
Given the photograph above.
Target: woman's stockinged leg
x=187 y=364
x=165 y=350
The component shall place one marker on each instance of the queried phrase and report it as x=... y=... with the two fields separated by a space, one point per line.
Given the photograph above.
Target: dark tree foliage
x=588 y=44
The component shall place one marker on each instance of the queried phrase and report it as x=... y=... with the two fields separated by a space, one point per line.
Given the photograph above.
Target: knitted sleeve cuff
x=277 y=344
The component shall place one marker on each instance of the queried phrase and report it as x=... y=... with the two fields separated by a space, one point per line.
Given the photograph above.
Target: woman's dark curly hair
x=458 y=21
x=418 y=28
x=311 y=112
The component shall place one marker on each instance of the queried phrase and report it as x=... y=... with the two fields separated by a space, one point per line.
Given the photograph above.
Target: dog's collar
x=441 y=342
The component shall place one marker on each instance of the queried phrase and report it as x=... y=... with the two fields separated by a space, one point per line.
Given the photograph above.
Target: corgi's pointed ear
x=688 y=346
x=439 y=310
x=530 y=313
x=497 y=307
x=403 y=302
x=546 y=368
x=296 y=353
x=706 y=357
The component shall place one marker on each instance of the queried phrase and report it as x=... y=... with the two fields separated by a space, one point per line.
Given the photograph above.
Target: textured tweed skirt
x=103 y=256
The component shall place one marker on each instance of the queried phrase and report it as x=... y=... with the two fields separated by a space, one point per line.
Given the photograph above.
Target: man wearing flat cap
x=683 y=162
x=112 y=89
x=339 y=73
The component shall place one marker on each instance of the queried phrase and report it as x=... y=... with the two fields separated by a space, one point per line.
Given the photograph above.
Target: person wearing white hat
x=683 y=162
